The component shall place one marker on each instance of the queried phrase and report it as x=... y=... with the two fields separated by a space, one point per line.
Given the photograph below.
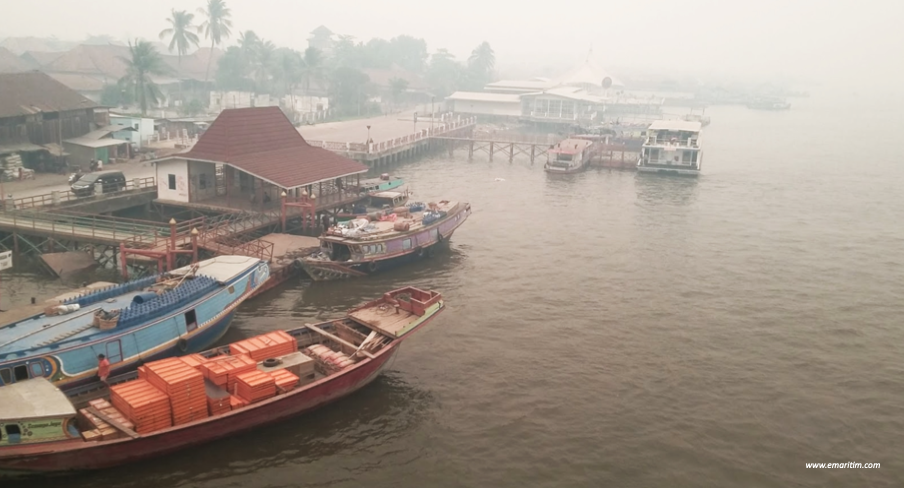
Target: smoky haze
x=856 y=44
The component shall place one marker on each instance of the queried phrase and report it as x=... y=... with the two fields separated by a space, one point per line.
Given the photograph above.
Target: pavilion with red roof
x=260 y=154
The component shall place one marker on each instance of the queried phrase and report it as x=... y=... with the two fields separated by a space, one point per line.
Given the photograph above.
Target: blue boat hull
x=190 y=325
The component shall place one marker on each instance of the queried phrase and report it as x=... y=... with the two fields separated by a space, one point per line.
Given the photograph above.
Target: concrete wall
x=203 y=180
x=477 y=107
x=144 y=126
x=172 y=180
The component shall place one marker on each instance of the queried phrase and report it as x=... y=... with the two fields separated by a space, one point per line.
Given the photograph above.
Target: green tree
x=216 y=27
x=192 y=108
x=397 y=87
x=377 y=53
x=263 y=63
x=409 y=53
x=249 y=42
x=313 y=67
x=288 y=69
x=180 y=32
x=349 y=90
x=116 y=95
x=444 y=74
x=234 y=71
x=480 y=65
x=143 y=63
x=348 y=54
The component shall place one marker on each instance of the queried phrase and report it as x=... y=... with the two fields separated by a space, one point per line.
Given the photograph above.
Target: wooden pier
x=508 y=146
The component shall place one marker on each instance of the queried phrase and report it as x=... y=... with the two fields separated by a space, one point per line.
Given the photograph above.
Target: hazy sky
x=762 y=38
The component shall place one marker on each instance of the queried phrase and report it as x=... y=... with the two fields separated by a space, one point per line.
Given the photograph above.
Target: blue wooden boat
x=383 y=183
x=390 y=238
x=185 y=310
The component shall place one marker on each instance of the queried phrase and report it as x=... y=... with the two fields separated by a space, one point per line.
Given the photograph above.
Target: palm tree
x=216 y=27
x=263 y=62
x=249 y=41
x=483 y=58
x=181 y=31
x=144 y=61
x=287 y=69
x=313 y=67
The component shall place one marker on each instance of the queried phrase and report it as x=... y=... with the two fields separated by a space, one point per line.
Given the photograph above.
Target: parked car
x=111 y=180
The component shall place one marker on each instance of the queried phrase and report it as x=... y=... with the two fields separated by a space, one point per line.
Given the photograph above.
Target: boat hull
x=161 y=337
x=668 y=171
x=77 y=455
x=557 y=171
x=331 y=270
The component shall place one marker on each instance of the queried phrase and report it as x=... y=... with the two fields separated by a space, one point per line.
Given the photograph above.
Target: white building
x=478 y=103
x=142 y=128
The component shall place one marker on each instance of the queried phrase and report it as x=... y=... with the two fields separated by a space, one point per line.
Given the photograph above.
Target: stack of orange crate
x=236 y=402
x=271 y=345
x=142 y=373
x=194 y=360
x=184 y=385
x=285 y=380
x=145 y=406
x=222 y=370
x=254 y=386
x=102 y=430
x=217 y=399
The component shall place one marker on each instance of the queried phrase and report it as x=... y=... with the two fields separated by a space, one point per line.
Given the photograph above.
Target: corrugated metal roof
x=95 y=143
x=677 y=125
x=485 y=97
x=33 y=92
x=261 y=141
x=34 y=399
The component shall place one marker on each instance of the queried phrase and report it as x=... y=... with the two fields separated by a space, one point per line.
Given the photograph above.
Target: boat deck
x=385 y=318
x=45 y=331
x=386 y=229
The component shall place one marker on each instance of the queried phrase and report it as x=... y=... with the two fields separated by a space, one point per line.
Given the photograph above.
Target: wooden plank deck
x=386 y=319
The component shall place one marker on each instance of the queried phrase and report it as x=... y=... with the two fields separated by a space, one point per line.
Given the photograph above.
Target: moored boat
x=383 y=183
x=184 y=310
x=568 y=156
x=178 y=403
x=385 y=239
x=672 y=147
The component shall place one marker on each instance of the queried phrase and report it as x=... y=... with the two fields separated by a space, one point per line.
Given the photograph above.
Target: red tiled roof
x=261 y=141
x=32 y=92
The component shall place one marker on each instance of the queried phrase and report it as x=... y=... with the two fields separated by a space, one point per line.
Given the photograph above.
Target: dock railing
x=67 y=196
x=378 y=148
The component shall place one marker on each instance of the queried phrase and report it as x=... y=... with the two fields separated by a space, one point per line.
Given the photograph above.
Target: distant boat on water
x=768 y=104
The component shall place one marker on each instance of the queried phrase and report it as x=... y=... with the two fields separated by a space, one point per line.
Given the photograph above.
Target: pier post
x=170 y=252
x=491 y=151
x=471 y=150
x=282 y=211
x=194 y=243
x=533 y=148
x=512 y=152
x=123 y=262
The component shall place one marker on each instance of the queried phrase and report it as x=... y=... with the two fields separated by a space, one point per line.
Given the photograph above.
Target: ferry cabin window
x=231 y=289
x=13 y=433
x=406 y=244
x=191 y=321
x=171 y=179
x=20 y=372
x=114 y=352
x=37 y=369
x=6 y=376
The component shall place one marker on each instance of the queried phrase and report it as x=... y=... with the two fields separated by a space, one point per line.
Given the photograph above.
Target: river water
x=615 y=329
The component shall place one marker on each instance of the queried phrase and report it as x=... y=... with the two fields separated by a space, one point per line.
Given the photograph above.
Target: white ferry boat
x=672 y=147
x=569 y=156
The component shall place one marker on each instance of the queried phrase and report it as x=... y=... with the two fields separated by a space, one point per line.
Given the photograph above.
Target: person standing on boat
x=103 y=367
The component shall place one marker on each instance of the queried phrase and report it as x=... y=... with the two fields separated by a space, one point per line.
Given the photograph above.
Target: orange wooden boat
x=177 y=403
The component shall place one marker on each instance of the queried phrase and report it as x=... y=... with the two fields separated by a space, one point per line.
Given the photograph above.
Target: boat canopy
x=220 y=268
x=34 y=399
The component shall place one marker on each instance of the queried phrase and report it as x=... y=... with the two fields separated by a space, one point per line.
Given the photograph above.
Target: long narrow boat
x=44 y=430
x=185 y=310
x=390 y=238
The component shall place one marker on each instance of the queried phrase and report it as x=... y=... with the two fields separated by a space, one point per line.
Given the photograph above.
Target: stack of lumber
x=183 y=384
x=144 y=405
x=271 y=345
x=254 y=386
x=217 y=398
x=284 y=379
x=222 y=370
x=335 y=360
x=97 y=428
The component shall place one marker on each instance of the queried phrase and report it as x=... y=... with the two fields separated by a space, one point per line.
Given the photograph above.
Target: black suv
x=111 y=181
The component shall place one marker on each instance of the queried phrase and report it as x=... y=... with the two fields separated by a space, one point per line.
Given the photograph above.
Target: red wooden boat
x=41 y=431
